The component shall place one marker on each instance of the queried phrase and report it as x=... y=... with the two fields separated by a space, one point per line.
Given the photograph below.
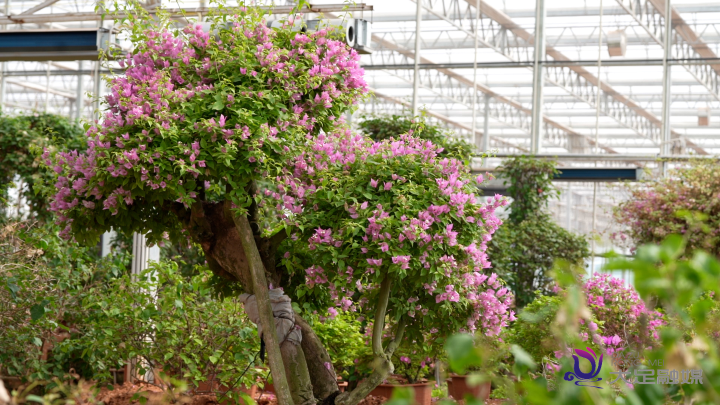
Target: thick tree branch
x=390 y=349
x=379 y=325
x=260 y=289
x=382 y=363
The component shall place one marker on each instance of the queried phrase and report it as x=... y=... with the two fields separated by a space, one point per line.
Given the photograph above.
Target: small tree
x=233 y=140
x=524 y=248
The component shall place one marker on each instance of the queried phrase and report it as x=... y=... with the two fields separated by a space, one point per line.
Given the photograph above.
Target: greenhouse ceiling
x=478 y=72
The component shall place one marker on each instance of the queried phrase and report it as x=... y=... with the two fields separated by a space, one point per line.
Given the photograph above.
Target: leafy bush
x=174 y=324
x=91 y=316
x=525 y=247
x=43 y=283
x=650 y=214
x=523 y=253
x=533 y=328
x=345 y=343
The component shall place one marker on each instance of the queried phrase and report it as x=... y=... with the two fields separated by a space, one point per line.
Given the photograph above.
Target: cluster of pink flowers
x=146 y=140
x=435 y=241
x=620 y=308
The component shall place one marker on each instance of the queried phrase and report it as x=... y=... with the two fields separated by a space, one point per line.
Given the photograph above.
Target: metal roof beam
x=508 y=110
x=33 y=10
x=577 y=80
x=40 y=88
x=449 y=121
x=507 y=38
x=650 y=15
x=176 y=12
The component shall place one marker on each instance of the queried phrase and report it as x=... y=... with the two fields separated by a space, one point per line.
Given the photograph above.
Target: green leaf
x=462 y=353
x=522 y=357
x=37 y=311
x=12 y=287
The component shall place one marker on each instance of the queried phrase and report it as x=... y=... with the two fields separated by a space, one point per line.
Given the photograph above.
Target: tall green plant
x=530 y=185
x=524 y=249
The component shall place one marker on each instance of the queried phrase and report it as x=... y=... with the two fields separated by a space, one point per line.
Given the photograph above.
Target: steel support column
x=486 y=125
x=667 y=84
x=79 y=104
x=538 y=77
x=475 y=52
x=416 y=72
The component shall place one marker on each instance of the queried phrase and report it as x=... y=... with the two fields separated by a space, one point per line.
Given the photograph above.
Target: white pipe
x=667 y=84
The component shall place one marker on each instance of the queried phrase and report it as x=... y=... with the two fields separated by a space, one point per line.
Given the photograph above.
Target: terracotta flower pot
x=422 y=391
x=458 y=388
x=269 y=388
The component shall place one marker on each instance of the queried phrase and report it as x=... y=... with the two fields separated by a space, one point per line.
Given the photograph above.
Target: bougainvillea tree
x=392 y=230
x=231 y=138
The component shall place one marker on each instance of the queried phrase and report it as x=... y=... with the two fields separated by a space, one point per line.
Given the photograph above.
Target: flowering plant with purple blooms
x=393 y=212
x=650 y=213
x=204 y=131
x=626 y=321
x=197 y=117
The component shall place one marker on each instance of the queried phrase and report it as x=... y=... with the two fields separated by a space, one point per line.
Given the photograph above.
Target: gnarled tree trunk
x=211 y=225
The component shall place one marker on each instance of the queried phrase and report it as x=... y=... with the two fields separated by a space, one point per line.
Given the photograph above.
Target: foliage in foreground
x=43 y=281
x=682 y=282
x=525 y=247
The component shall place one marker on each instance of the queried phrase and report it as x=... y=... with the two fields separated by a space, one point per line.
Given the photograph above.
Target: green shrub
x=20 y=135
x=345 y=344
x=54 y=289
x=524 y=249
x=533 y=328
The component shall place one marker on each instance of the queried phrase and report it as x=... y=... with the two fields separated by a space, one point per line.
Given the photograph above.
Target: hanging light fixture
x=616 y=43
x=703 y=117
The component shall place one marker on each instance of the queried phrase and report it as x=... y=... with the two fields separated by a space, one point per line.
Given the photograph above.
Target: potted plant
x=422 y=390
x=476 y=381
x=413 y=363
